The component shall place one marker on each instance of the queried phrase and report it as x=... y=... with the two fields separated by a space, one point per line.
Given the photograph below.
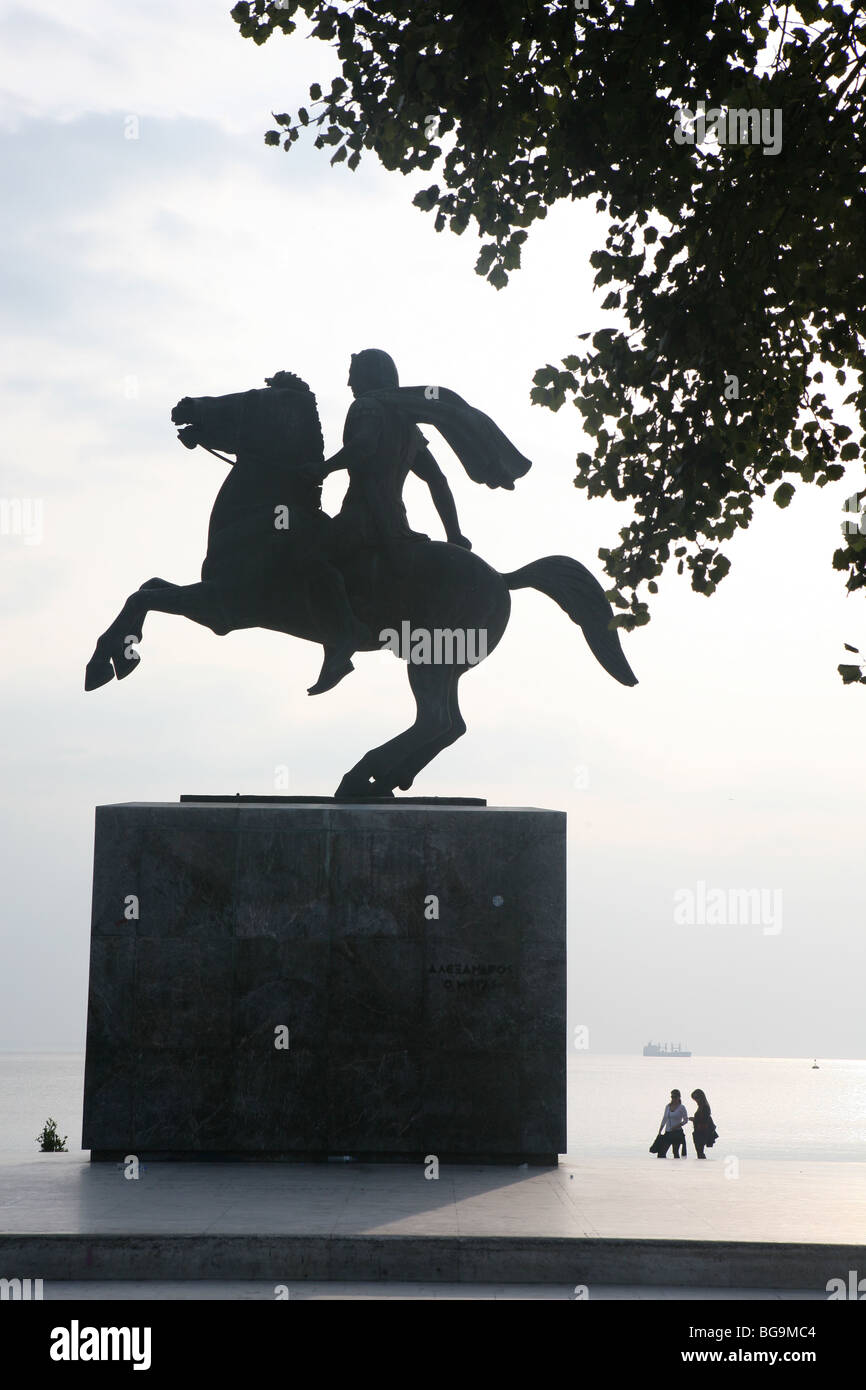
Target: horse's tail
x=571 y=585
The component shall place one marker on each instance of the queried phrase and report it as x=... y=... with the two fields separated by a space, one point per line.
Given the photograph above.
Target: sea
x=764 y=1107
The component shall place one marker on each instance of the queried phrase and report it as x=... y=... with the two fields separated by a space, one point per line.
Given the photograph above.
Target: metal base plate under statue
x=312 y=980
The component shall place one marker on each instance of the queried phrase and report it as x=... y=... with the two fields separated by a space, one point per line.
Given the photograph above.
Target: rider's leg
x=343 y=632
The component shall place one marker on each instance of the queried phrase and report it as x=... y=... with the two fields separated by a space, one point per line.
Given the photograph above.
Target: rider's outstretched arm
x=425 y=466
x=360 y=440
x=349 y=455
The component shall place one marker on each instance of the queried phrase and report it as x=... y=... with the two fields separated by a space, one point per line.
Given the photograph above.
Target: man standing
x=673 y=1119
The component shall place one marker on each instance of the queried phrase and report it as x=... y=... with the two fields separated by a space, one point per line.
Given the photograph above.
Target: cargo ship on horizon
x=665 y=1050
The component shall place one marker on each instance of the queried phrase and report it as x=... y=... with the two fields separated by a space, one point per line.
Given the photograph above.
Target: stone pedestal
x=318 y=980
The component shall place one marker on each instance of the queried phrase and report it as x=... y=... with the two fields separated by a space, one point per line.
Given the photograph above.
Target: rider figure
x=380 y=449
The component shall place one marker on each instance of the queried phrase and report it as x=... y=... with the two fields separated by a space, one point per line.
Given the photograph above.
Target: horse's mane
x=287 y=381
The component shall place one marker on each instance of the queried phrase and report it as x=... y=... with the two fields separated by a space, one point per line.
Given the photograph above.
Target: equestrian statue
x=354 y=581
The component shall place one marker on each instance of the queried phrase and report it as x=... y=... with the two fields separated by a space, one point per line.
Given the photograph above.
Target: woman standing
x=704 y=1132
x=673 y=1119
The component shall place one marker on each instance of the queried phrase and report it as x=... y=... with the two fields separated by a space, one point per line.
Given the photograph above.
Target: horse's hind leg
x=405 y=774
x=377 y=774
x=199 y=602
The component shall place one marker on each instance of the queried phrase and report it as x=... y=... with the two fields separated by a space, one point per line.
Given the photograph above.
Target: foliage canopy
x=737 y=273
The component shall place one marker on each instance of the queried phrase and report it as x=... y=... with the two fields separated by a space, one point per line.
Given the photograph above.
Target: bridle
x=217 y=454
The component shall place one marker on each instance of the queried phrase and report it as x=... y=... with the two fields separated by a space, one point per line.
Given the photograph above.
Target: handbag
x=659 y=1144
x=705 y=1130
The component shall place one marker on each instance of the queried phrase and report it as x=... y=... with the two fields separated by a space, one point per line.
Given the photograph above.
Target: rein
x=218 y=455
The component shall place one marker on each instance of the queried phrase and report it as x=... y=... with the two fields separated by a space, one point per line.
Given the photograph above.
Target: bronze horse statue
x=275 y=560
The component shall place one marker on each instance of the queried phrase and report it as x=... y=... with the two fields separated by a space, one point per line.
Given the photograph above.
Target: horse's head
x=184 y=412
x=279 y=423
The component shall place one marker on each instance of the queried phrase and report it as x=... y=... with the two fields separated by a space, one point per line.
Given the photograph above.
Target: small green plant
x=49 y=1140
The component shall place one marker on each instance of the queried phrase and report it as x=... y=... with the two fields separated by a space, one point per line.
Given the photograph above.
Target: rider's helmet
x=372 y=370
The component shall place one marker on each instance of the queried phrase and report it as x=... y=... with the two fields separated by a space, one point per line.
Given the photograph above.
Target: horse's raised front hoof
x=98 y=672
x=124 y=664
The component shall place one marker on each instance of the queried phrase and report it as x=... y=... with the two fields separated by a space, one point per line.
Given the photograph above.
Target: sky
x=152 y=247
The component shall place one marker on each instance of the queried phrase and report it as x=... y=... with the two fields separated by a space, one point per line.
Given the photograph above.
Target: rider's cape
x=485 y=452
